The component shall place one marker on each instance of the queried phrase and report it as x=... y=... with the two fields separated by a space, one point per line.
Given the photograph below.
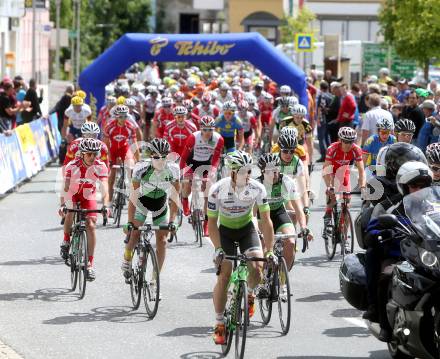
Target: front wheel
x=331 y=241
x=284 y=296
x=242 y=320
x=136 y=279
x=265 y=304
x=82 y=261
x=346 y=234
x=151 y=281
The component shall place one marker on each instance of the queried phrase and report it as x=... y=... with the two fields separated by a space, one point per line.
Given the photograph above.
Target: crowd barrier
x=30 y=147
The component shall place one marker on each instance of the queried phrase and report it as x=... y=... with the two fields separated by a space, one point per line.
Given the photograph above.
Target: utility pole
x=72 y=44
x=57 y=49
x=78 y=38
x=34 y=41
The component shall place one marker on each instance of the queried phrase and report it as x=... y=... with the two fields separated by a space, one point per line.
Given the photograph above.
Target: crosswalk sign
x=304 y=42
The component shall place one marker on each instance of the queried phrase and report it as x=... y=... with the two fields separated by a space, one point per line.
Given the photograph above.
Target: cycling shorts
x=249 y=137
x=247 y=238
x=74 y=132
x=122 y=152
x=192 y=168
x=158 y=208
x=280 y=219
x=229 y=144
x=84 y=204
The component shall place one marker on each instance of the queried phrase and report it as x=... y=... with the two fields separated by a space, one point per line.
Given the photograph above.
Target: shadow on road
x=322 y=296
x=201 y=355
x=45 y=295
x=54 y=229
x=262 y=331
x=318 y=261
x=52 y=260
x=376 y=354
x=196 y=332
x=347 y=332
x=117 y=314
x=201 y=295
x=208 y=270
x=346 y=313
x=36 y=191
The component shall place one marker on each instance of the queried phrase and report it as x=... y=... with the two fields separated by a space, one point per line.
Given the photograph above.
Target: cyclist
x=74 y=117
x=404 y=130
x=336 y=169
x=132 y=104
x=230 y=202
x=88 y=130
x=282 y=190
x=178 y=130
x=152 y=101
x=249 y=123
x=162 y=117
x=230 y=126
x=79 y=187
x=203 y=148
x=375 y=142
x=119 y=135
x=153 y=184
x=281 y=111
x=223 y=94
x=206 y=108
x=433 y=157
x=104 y=113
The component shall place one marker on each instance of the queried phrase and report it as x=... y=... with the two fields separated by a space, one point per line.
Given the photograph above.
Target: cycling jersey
x=199 y=152
x=234 y=207
x=177 y=135
x=162 y=118
x=294 y=168
x=304 y=129
x=77 y=119
x=278 y=115
x=72 y=152
x=340 y=159
x=120 y=138
x=300 y=151
x=266 y=113
x=281 y=192
x=372 y=147
x=201 y=111
x=228 y=130
x=248 y=122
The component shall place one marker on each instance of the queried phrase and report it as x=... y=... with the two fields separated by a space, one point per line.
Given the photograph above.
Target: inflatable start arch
x=131 y=48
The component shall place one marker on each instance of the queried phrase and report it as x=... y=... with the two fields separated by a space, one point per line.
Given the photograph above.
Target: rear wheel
x=346 y=234
x=284 y=296
x=73 y=262
x=82 y=261
x=395 y=352
x=136 y=279
x=242 y=320
x=151 y=281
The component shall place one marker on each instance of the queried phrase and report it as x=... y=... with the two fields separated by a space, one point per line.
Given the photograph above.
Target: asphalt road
x=40 y=318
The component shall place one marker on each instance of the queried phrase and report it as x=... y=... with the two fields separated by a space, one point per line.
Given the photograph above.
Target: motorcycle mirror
x=387 y=221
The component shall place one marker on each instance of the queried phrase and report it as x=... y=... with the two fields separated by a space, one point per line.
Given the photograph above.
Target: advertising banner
x=29 y=150
x=41 y=142
x=12 y=169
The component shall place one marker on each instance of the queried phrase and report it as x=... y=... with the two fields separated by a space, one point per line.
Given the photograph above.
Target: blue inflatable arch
x=132 y=48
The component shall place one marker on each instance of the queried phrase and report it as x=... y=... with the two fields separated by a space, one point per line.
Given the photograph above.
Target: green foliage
x=412 y=28
x=293 y=25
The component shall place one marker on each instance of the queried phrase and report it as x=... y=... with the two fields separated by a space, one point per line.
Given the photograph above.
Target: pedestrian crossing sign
x=304 y=42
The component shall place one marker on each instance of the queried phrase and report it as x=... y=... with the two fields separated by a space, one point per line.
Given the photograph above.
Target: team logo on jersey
x=228 y=126
x=157 y=44
x=211 y=206
x=119 y=138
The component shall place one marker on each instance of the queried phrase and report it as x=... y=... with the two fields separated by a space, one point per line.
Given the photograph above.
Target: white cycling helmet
x=411 y=173
x=299 y=109
x=238 y=159
x=180 y=110
x=285 y=90
x=90 y=145
x=121 y=111
x=293 y=101
x=90 y=128
x=167 y=102
x=130 y=102
x=289 y=131
x=347 y=134
x=246 y=82
x=385 y=124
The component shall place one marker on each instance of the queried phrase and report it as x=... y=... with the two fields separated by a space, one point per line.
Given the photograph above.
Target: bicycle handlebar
x=305 y=242
x=284 y=236
x=240 y=257
x=103 y=211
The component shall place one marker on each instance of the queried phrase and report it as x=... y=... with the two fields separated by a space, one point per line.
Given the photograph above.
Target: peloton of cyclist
x=230 y=126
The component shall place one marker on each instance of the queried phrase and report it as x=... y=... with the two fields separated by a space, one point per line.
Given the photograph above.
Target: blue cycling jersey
x=372 y=147
x=228 y=128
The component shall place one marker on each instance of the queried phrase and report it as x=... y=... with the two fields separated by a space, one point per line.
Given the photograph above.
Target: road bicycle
x=78 y=255
x=197 y=216
x=119 y=195
x=237 y=307
x=144 y=278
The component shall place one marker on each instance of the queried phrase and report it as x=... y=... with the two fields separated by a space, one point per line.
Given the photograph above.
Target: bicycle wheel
x=119 y=211
x=284 y=299
x=115 y=206
x=82 y=261
x=229 y=325
x=242 y=320
x=151 y=281
x=347 y=234
x=73 y=262
x=136 y=279
x=265 y=305
x=330 y=242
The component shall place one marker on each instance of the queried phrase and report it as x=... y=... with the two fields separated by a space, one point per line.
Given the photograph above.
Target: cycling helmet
x=433 y=153
x=251 y=99
x=130 y=102
x=293 y=101
x=299 y=109
x=207 y=122
x=206 y=99
x=405 y=125
x=269 y=160
x=267 y=96
x=77 y=101
x=284 y=101
x=179 y=96
x=152 y=89
x=238 y=159
x=81 y=94
x=289 y=131
x=224 y=86
x=400 y=153
x=191 y=82
x=180 y=110
x=90 y=145
x=287 y=142
x=120 y=100
x=243 y=105
x=188 y=104
x=259 y=85
x=413 y=172
x=229 y=106
x=385 y=124
x=159 y=146
x=167 y=102
x=110 y=100
x=121 y=111
x=347 y=134
x=285 y=90
x=246 y=83
x=90 y=128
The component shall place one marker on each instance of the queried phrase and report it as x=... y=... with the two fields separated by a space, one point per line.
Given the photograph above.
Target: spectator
x=413 y=112
x=404 y=90
x=7 y=110
x=363 y=107
x=372 y=116
x=332 y=114
x=347 y=110
x=430 y=131
x=20 y=94
x=328 y=77
x=323 y=102
x=62 y=105
x=34 y=110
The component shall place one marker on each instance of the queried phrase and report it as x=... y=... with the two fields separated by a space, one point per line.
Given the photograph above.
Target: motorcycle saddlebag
x=353 y=280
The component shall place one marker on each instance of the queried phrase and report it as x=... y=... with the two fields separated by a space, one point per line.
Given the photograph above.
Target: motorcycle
x=413 y=307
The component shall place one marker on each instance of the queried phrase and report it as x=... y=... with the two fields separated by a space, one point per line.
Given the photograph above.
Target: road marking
x=357 y=322
x=7 y=352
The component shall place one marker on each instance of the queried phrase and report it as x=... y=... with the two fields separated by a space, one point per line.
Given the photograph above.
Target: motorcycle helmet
x=413 y=173
x=400 y=153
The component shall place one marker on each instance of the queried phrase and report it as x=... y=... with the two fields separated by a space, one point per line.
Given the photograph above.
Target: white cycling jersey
x=77 y=119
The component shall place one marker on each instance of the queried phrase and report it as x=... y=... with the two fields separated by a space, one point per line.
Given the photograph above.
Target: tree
x=293 y=25
x=412 y=28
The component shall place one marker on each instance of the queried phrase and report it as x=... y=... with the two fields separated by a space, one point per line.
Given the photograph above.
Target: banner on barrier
x=29 y=149
x=12 y=169
x=55 y=132
x=40 y=142
x=50 y=140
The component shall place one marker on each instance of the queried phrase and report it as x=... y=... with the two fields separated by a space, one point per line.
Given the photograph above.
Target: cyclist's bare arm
x=327 y=171
x=267 y=229
x=138 y=134
x=299 y=213
x=104 y=192
x=214 y=233
x=365 y=157
x=64 y=128
x=303 y=186
x=309 y=142
x=65 y=189
x=134 y=192
x=240 y=139
x=174 y=200
x=362 y=177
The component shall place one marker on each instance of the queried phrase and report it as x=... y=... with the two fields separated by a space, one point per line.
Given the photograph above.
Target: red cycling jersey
x=341 y=161
x=119 y=139
x=266 y=110
x=103 y=116
x=177 y=135
x=162 y=118
x=74 y=147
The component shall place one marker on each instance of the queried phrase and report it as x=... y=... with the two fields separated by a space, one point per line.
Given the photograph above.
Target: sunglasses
x=384 y=132
x=91 y=153
x=207 y=129
x=237 y=171
x=347 y=142
x=157 y=157
x=435 y=168
x=229 y=112
x=288 y=152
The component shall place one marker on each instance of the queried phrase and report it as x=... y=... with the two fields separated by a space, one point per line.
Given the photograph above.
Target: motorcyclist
x=384 y=243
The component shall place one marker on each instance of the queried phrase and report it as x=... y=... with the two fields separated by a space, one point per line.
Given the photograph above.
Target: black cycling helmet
x=433 y=153
x=159 y=146
x=286 y=142
x=400 y=153
x=405 y=125
x=270 y=160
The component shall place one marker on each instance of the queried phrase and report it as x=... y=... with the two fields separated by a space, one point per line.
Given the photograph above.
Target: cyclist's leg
x=250 y=245
x=161 y=217
x=90 y=227
x=112 y=175
x=282 y=224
